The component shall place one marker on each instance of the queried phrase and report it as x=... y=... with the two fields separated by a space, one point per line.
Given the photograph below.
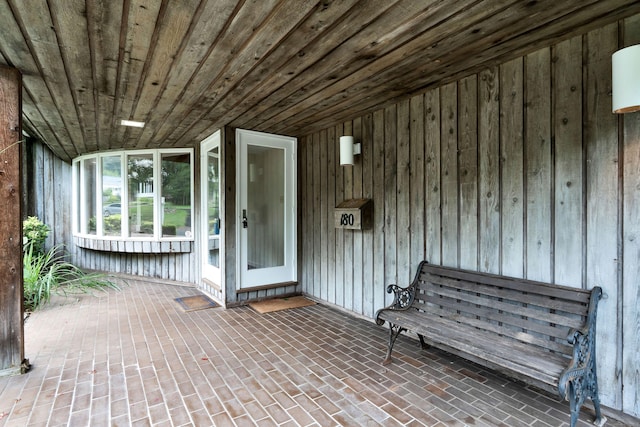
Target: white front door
x=266 y=208
x=213 y=247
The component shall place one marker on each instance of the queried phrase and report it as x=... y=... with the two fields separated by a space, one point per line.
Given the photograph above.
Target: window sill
x=134 y=246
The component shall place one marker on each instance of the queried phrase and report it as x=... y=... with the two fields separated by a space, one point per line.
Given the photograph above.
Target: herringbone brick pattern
x=135 y=358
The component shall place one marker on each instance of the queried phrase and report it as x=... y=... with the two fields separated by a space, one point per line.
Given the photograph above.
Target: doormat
x=275 y=304
x=196 y=302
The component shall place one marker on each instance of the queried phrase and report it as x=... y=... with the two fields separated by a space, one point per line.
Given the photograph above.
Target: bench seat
x=487 y=349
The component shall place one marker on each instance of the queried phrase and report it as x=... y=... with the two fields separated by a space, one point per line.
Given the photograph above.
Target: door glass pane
x=213 y=207
x=111 y=196
x=140 y=180
x=265 y=207
x=176 y=195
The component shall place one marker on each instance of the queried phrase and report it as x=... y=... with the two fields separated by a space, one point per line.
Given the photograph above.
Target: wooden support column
x=11 y=303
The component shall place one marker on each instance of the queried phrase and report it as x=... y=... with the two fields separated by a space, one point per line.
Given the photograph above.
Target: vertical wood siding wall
x=48 y=191
x=520 y=170
x=179 y=267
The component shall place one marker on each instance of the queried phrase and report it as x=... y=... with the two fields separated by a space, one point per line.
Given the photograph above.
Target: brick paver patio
x=135 y=358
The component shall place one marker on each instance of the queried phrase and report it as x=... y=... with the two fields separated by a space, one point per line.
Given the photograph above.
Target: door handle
x=245 y=221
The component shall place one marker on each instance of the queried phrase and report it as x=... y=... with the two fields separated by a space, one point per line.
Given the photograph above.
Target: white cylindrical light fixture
x=625 y=74
x=346 y=150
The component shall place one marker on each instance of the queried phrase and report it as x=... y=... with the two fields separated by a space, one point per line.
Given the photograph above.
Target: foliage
x=146 y=227
x=48 y=273
x=176 y=180
x=34 y=233
x=177 y=216
x=112 y=223
x=140 y=171
x=109 y=197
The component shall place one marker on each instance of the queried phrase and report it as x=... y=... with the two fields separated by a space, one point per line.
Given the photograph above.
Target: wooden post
x=11 y=303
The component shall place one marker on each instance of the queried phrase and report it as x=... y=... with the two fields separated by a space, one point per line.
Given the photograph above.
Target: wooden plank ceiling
x=189 y=67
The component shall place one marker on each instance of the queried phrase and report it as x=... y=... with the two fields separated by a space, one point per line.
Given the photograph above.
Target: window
x=137 y=195
x=89 y=181
x=176 y=194
x=112 y=195
x=141 y=196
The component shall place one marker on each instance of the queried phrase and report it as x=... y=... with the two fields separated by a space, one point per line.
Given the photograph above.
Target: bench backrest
x=534 y=313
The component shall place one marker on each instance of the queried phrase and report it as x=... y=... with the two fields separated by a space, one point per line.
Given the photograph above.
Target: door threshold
x=265 y=287
x=213 y=284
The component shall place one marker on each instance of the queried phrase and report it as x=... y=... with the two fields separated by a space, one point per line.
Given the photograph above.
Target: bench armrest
x=402 y=300
x=403 y=297
x=582 y=366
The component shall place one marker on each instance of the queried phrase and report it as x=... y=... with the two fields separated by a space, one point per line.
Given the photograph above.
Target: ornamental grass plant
x=46 y=273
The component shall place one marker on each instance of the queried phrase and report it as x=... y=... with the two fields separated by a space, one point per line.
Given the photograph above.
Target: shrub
x=34 y=234
x=112 y=223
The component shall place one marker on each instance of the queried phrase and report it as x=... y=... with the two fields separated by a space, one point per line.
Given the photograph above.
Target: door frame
x=205 y=146
x=243 y=138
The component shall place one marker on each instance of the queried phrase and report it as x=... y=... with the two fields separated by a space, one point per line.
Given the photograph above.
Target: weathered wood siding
x=180 y=266
x=48 y=191
x=519 y=170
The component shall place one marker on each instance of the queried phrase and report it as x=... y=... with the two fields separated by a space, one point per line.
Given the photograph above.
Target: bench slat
x=506 y=354
x=557 y=291
x=532 y=296
x=525 y=334
x=564 y=319
x=509 y=320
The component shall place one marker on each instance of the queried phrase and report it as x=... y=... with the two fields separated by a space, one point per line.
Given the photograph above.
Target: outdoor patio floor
x=133 y=357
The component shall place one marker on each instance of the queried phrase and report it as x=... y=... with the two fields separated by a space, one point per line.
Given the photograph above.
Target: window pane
x=78 y=199
x=213 y=206
x=89 y=200
x=112 y=196
x=140 y=181
x=265 y=207
x=176 y=195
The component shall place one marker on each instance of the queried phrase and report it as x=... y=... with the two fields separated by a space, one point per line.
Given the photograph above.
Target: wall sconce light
x=347 y=150
x=625 y=67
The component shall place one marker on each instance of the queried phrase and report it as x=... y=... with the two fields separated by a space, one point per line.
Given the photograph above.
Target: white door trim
x=247 y=278
x=209 y=272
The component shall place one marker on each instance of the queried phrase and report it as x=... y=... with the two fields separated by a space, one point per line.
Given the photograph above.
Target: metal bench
x=536 y=332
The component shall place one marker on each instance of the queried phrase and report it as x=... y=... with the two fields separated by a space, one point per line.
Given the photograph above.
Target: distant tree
x=176 y=182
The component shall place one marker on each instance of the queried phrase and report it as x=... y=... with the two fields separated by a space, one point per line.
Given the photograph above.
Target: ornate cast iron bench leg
x=423 y=344
x=579 y=381
x=394 y=331
x=600 y=419
x=578 y=392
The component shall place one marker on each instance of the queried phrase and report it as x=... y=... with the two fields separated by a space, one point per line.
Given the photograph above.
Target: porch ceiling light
x=132 y=123
x=625 y=65
x=347 y=150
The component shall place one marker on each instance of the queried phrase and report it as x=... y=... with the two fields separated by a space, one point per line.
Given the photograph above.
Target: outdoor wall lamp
x=347 y=150
x=625 y=73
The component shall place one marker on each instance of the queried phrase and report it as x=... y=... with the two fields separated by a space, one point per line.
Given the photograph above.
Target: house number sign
x=354 y=214
x=347 y=219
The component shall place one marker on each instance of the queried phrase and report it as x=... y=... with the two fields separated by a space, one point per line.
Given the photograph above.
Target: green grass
x=176 y=215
